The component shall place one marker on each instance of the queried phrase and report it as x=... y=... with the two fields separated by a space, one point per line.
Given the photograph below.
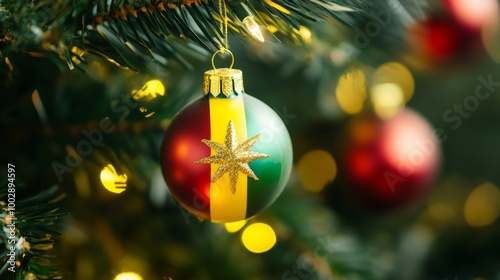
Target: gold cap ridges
x=223 y=80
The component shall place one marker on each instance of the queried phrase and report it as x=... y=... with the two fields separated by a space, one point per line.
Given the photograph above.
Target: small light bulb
x=253 y=27
x=112 y=181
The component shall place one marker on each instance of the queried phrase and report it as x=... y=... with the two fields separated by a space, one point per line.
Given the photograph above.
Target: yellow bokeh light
x=363 y=131
x=490 y=34
x=278 y=7
x=258 y=238
x=395 y=73
x=112 y=181
x=273 y=29
x=78 y=52
x=128 y=276
x=151 y=89
x=442 y=212
x=235 y=226
x=482 y=207
x=306 y=34
x=316 y=169
x=387 y=99
x=351 y=91
x=146 y=112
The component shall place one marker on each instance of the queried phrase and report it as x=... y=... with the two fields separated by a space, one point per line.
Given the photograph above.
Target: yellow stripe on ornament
x=224 y=205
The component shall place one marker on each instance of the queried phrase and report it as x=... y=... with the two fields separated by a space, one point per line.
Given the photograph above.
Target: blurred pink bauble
x=472 y=14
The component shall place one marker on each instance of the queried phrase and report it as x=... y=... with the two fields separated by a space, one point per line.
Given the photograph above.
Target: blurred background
x=391 y=107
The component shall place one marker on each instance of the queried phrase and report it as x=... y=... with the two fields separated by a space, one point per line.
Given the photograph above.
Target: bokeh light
x=482 y=207
x=128 y=276
x=410 y=144
x=112 y=181
x=395 y=73
x=258 y=238
x=316 y=169
x=39 y=107
x=151 y=90
x=490 y=35
x=77 y=53
x=387 y=99
x=442 y=212
x=363 y=130
x=472 y=13
x=235 y=226
x=351 y=91
x=277 y=7
x=306 y=34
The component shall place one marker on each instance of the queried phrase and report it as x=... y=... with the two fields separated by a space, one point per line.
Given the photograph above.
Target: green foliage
x=140 y=36
x=135 y=33
x=29 y=234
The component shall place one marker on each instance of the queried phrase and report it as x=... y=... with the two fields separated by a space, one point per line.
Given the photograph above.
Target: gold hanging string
x=224 y=47
x=223 y=25
x=226 y=81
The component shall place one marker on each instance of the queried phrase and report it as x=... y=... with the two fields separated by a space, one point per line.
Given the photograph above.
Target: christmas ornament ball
x=226 y=156
x=440 y=43
x=453 y=38
x=390 y=163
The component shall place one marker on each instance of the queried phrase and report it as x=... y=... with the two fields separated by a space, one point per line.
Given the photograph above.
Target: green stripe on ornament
x=273 y=172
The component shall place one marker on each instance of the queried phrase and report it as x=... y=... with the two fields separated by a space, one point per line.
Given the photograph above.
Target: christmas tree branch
x=317 y=239
x=28 y=227
x=135 y=33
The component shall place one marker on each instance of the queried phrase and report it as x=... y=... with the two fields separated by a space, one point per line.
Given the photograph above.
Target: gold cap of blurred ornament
x=223 y=80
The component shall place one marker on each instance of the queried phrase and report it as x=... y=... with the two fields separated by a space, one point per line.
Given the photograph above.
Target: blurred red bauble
x=452 y=39
x=390 y=163
x=441 y=42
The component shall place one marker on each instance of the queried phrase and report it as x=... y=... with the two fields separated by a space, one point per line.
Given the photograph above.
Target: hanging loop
x=222 y=51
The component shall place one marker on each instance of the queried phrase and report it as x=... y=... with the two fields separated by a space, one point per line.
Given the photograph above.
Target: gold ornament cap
x=224 y=80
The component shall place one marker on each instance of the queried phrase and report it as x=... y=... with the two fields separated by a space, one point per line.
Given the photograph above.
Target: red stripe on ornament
x=189 y=182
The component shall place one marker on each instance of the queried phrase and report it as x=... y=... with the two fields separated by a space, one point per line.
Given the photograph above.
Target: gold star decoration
x=232 y=157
